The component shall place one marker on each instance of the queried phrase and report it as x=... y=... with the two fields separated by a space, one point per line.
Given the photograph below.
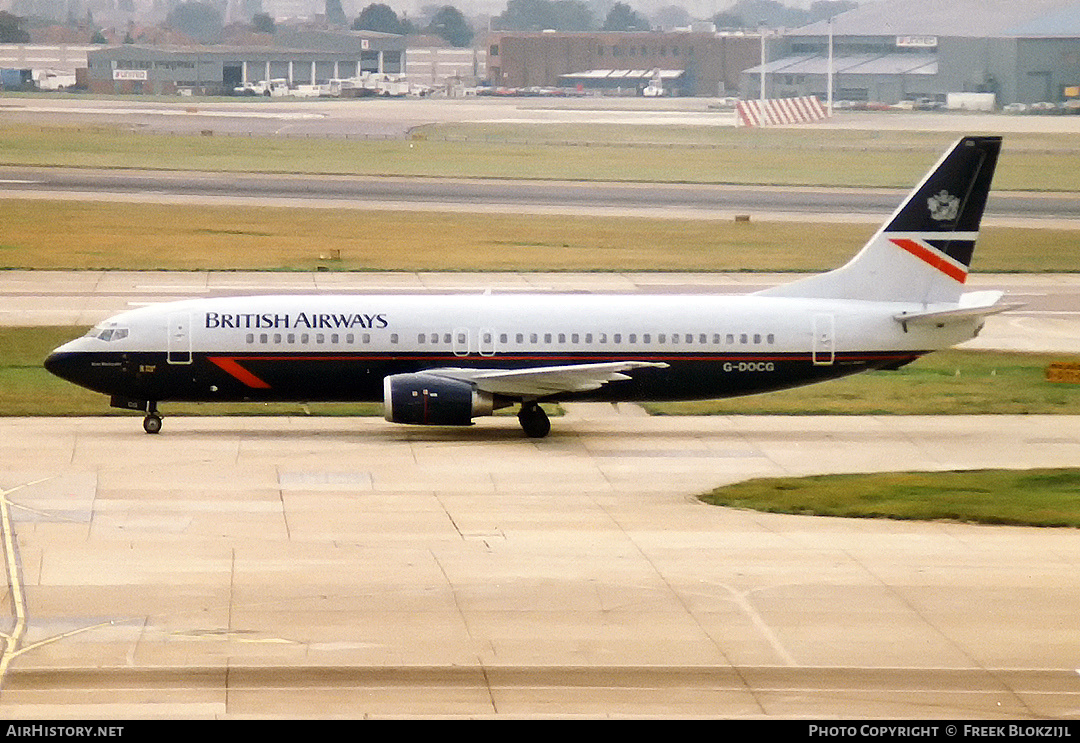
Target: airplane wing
x=544 y=381
x=971 y=305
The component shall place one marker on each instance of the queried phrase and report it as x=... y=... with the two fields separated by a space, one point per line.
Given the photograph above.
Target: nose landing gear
x=152 y=422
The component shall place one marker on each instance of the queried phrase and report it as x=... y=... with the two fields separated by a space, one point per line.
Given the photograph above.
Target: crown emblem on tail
x=943 y=206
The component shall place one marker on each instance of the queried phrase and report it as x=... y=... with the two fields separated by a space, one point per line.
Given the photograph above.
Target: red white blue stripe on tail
x=940 y=254
x=923 y=251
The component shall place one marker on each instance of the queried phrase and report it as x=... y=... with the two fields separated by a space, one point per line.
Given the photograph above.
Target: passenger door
x=824 y=344
x=179 y=351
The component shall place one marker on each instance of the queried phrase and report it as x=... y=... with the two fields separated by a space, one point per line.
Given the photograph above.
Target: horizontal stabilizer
x=971 y=305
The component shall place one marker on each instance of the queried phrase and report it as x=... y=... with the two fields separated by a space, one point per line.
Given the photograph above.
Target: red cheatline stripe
x=935 y=260
x=232 y=368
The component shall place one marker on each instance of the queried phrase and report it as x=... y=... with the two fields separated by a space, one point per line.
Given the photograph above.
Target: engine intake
x=431 y=400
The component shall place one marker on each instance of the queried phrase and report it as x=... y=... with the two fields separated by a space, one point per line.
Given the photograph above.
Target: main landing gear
x=534 y=421
x=152 y=422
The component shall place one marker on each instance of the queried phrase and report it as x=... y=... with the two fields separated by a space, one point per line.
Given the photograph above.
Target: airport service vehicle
x=445 y=360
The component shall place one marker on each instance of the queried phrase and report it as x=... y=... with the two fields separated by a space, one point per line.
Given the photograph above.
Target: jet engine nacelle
x=428 y=399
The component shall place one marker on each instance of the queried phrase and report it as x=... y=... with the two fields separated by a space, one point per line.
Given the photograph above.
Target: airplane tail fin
x=922 y=253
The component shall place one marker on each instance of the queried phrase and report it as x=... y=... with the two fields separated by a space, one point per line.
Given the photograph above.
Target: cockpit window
x=108 y=333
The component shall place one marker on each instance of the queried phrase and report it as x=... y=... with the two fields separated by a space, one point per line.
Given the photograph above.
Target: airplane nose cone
x=73 y=366
x=62 y=364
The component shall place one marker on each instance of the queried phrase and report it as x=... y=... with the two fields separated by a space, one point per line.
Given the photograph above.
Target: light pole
x=829 y=73
x=761 y=84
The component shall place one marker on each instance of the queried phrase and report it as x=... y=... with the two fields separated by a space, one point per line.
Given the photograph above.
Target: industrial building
x=887 y=52
x=444 y=67
x=299 y=58
x=710 y=63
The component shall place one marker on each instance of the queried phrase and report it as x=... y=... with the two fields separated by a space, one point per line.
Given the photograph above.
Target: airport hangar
x=301 y=58
x=705 y=63
x=1025 y=52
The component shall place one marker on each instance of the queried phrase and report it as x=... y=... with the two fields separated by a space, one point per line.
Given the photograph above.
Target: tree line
x=203 y=21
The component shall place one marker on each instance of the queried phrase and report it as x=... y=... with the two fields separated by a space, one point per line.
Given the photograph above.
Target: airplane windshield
x=109 y=333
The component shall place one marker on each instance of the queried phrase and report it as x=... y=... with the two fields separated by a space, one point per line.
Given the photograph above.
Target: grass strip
x=1038 y=497
x=75 y=235
x=669 y=154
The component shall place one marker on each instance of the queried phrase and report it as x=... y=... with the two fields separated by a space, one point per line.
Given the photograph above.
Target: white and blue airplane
x=445 y=360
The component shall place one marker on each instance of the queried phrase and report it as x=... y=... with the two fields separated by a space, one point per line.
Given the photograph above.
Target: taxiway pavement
x=292 y=567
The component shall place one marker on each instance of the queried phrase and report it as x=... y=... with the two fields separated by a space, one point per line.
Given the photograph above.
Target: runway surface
x=236 y=567
x=671 y=201
x=370 y=118
x=381 y=118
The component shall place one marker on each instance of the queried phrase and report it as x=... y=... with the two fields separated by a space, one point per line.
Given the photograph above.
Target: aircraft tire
x=152 y=424
x=534 y=421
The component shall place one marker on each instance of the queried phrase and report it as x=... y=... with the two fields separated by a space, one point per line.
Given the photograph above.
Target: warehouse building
x=710 y=63
x=301 y=58
x=900 y=50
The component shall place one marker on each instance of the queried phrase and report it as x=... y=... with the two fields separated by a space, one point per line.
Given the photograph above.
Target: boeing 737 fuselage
x=445 y=360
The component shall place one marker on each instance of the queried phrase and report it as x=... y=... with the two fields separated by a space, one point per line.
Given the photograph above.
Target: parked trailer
x=12 y=78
